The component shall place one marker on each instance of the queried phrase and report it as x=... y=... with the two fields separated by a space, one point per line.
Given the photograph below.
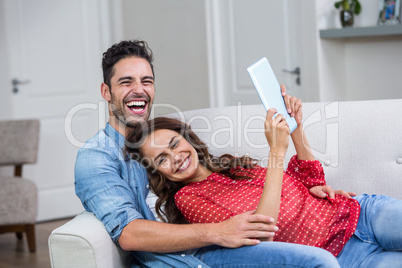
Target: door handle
x=15 y=82
x=296 y=71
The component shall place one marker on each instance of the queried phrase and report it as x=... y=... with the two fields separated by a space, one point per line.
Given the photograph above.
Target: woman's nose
x=176 y=157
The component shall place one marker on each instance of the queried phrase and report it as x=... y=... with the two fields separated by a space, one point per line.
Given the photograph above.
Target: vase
x=346 y=18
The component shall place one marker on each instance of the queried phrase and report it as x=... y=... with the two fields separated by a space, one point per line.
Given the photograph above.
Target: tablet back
x=269 y=90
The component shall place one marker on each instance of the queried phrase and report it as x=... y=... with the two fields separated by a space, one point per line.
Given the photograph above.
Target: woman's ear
x=105 y=91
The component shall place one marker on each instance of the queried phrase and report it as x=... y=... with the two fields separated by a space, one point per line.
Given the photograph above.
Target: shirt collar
x=115 y=135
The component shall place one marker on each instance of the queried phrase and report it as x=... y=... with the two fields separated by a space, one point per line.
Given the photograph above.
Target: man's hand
x=244 y=230
x=326 y=190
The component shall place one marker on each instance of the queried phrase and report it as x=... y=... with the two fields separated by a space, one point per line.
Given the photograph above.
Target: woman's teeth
x=183 y=165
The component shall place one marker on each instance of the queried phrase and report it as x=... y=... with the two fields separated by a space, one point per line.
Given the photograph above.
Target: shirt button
x=199 y=266
x=147 y=186
x=183 y=255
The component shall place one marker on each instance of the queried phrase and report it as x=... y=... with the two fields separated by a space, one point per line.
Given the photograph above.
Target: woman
x=204 y=188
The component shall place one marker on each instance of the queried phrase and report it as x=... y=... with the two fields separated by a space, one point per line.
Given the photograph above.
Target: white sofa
x=358 y=142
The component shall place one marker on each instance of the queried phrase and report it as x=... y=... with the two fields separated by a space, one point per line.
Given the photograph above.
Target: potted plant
x=348 y=9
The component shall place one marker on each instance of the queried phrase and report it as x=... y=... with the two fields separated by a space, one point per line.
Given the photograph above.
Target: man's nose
x=137 y=87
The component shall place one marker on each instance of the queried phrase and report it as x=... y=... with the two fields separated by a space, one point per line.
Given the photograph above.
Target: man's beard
x=119 y=113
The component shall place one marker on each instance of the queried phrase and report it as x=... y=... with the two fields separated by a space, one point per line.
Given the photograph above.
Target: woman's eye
x=175 y=144
x=161 y=160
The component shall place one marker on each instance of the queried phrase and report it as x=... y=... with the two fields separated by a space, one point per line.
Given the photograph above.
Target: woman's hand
x=326 y=190
x=277 y=132
x=294 y=106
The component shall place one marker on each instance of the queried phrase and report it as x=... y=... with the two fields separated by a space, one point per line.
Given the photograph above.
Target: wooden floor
x=14 y=253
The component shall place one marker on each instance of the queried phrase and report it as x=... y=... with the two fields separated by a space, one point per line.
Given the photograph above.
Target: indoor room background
x=202 y=49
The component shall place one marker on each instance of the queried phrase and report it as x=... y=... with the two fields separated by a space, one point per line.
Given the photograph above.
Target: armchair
x=18 y=196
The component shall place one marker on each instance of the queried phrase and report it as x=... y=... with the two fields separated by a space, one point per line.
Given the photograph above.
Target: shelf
x=353 y=32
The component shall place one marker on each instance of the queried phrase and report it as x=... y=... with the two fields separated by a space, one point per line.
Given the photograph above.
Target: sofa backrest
x=357 y=142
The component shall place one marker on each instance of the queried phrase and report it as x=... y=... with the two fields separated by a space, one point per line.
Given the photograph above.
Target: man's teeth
x=184 y=164
x=136 y=105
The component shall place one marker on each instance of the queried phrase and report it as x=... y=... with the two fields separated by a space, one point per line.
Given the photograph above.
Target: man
x=115 y=188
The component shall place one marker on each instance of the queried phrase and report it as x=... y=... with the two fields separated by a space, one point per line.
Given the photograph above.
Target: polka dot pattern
x=303 y=218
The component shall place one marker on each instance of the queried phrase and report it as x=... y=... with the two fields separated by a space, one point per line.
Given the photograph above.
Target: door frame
x=53 y=197
x=219 y=18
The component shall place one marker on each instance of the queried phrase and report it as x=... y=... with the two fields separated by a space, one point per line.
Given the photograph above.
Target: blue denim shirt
x=114 y=188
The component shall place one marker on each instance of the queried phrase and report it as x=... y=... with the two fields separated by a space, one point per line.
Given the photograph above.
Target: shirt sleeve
x=309 y=172
x=197 y=209
x=103 y=191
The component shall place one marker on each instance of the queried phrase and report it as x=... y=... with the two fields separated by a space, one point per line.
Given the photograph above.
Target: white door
x=242 y=32
x=55 y=50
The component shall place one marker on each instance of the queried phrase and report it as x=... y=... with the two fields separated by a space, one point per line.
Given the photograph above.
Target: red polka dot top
x=303 y=218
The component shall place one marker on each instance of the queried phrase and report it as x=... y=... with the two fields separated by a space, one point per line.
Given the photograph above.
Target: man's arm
x=108 y=196
x=152 y=236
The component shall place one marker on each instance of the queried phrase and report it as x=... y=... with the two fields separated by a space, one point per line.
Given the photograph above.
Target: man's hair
x=122 y=50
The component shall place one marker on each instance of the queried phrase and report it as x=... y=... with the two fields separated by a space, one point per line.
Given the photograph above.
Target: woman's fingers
x=273 y=120
x=276 y=129
x=293 y=104
x=270 y=114
x=288 y=104
x=281 y=121
x=283 y=90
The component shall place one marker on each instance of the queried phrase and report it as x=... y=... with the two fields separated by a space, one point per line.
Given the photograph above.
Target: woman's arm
x=295 y=109
x=277 y=134
x=301 y=144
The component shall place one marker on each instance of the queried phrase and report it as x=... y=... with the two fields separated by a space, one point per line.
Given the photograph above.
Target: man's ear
x=105 y=91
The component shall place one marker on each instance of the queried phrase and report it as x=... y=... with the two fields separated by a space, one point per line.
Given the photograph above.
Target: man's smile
x=137 y=106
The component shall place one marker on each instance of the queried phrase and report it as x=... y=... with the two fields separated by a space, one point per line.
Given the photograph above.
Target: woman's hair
x=159 y=184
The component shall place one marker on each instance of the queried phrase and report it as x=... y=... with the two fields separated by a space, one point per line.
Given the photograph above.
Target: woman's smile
x=184 y=165
x=173 y=156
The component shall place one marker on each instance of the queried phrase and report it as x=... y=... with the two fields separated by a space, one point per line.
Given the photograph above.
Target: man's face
x=132 y=92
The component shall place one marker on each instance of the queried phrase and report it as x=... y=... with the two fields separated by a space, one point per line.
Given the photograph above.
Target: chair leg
x=19 y=235
x=30 y=231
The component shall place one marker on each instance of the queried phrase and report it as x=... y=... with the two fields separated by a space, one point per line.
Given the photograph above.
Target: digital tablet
x=269 y=90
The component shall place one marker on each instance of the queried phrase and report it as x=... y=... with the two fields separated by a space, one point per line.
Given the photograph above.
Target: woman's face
x=171 y=154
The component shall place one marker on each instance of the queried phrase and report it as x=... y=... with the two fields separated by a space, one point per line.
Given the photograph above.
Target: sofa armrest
x=84 y=242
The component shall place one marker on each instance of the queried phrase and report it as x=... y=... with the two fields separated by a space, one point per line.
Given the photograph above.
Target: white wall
x=357 y=68
x=5 y=84
x=346 y=69
x=176 y=32
x=364 y=68
x=310 y=56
